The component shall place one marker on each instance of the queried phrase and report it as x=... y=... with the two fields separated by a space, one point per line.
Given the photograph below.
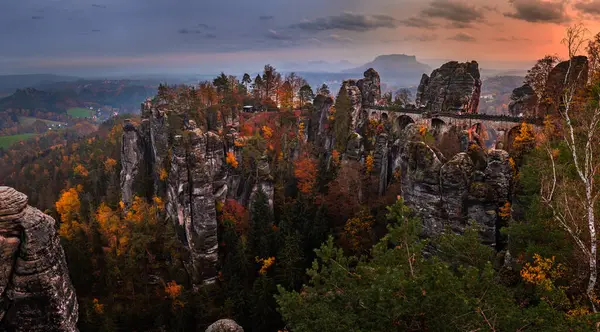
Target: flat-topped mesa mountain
x=36 y=293
x=454 y=87
x=395 y=68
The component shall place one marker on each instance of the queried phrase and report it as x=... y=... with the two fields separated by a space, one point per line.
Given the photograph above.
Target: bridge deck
x=424 y=113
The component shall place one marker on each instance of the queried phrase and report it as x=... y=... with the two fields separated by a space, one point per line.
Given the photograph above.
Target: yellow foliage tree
x=369 y=164
x=81 y=170
x=266 y=263
x=543 y=272
x=357 y=230
x=67 y=207
x=267 y=132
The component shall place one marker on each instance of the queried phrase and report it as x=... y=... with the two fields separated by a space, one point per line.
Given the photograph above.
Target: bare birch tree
x=573 y=199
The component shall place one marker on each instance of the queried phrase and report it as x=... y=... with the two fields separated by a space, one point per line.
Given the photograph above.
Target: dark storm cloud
x=589 y=7
x=266 y=17
x=454 y=11
x=348 y=21
x=418 y=22
x=539 y=11
x=463 y=37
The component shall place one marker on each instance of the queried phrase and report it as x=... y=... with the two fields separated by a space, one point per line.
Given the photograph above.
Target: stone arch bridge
x=495 y=129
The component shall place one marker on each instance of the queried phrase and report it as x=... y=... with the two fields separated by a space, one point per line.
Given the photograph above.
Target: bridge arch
x=403 y=121
x=438 y=126
x=487 y=135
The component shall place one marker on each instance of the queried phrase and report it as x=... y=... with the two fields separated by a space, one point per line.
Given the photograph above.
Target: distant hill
x=58 y=97
x=10 y=83
x=396 y=69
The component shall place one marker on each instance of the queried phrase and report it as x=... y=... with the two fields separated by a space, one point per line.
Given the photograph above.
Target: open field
x=78 y=112
x=6 y=141
x=27 y=121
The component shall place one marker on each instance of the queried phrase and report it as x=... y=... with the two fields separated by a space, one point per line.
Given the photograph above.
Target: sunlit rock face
x=571 y=74
x=35 y=288
x=454 y=87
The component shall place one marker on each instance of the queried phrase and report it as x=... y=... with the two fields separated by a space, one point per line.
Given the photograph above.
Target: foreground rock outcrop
x=454 y=87
x=35 y=288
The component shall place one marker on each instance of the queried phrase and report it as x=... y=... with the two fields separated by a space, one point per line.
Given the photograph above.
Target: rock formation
x=370 y=87
x=523 y=101
x=564 y=75
x=470 y=188
x=131 y=155
x=363 y=93
x=454 y=87
x=186 y=162
x=225 y=325
x=35 y=289
x=195 y=160
x=358 y=114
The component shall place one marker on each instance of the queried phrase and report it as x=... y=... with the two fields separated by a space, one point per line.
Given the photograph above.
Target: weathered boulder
x=370 y=87
x=36 y=293
x=454 y=87
x=225 y=325
x=131 y=156
x=523 y=101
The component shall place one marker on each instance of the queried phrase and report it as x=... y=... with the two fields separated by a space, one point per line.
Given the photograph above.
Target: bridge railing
x=423 y=112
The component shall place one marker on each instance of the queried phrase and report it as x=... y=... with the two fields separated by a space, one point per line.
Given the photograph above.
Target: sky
x=207 y=36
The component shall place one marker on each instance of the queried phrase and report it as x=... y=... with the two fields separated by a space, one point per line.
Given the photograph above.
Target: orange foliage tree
x=306 y=173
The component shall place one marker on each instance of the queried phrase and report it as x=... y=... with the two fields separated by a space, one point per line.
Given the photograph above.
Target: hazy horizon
x=110 y=37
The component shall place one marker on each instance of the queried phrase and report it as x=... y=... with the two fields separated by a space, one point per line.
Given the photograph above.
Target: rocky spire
x=36 y=293
x=454 y=87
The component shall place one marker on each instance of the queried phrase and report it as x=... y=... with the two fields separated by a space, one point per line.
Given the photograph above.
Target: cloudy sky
x=205 y=36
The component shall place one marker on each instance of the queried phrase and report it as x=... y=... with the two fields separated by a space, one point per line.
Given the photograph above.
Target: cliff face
x=563 y=75
x=523 y=101
x=469 y=188
x=187 y=165
x=454 y=87
x=36 y=292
